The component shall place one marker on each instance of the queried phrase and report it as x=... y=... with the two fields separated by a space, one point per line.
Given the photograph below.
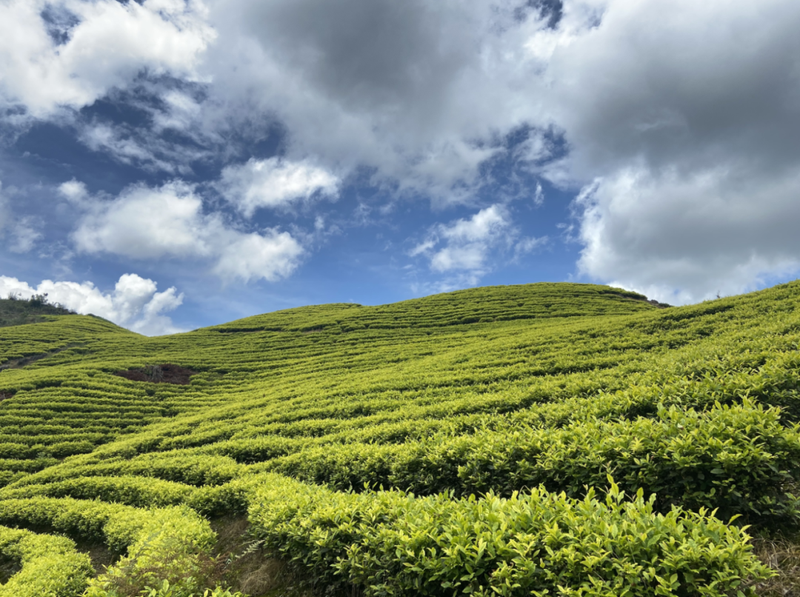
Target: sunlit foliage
x=530 y=440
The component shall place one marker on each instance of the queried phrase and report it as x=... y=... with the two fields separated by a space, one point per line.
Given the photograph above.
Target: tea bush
x=502 y=409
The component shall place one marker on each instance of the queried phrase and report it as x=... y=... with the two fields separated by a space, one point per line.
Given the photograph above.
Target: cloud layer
x=682 y=120
x=673 y=124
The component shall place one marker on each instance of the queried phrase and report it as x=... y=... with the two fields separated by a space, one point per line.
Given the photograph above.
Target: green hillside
x=544 y=439
x=17 y=311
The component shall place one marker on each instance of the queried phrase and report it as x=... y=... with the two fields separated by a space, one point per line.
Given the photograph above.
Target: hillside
x=544 y=439
x=16 y=311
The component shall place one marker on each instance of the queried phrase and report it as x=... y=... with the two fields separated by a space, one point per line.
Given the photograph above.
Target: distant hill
x=540 y=439
x=474 y=305
x=19 y=311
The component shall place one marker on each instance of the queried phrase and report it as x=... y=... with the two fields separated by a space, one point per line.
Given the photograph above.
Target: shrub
x=538 y=543
x=50 y=566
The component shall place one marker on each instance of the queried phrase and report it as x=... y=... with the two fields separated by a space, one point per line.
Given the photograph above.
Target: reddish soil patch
x=174 y=374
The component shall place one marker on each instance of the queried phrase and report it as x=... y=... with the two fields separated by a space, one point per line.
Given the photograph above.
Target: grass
x=782 y=554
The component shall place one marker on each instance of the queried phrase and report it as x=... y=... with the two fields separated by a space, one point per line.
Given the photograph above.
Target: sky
x=174 y=164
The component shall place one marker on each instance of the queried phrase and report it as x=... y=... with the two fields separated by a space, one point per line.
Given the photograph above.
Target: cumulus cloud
x=684 y=138
x=467 y=242
x=71 y=52
x=464 y=247
x=272 y=255
x=148 y=223
x=274 y=183
x=686 y=238
x=422 y=91
x=169 y=222
x=19 y=233
x=75 y=192
x=134 y=303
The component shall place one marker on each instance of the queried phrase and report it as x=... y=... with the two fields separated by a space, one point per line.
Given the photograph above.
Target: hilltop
x=561 y=438
x=17 y=311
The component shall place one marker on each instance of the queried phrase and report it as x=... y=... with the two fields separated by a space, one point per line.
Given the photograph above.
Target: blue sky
x=171 y=164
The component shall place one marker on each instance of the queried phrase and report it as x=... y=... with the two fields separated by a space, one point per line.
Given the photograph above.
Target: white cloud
x=148 y=223
x=469 y=256
x=422 y=91
x=74 y=191
x=465 y=244
x=274 y=183
x=684 y=138
x=20 y=234
x=271 y=256
x=134 y=303
x=466 y=249
x=169 y=222
x=105 y=45
x=484 y=226
x=686 y=238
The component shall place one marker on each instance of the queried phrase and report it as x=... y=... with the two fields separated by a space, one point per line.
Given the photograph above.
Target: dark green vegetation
x=16 y=311
x=548 y=439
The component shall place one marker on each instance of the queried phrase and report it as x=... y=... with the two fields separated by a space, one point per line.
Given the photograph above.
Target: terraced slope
x=546 y=439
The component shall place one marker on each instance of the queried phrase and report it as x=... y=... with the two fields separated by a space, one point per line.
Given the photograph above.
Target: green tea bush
x=537 y=543
x=172 y=544
x=50 y=565
x=488 y=392
x=165 y=589
x=129 y=490
x=171 y=550
x=190 y=469
x=739 y=460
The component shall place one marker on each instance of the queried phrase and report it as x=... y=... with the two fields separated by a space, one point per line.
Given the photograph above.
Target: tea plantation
x=544 y=439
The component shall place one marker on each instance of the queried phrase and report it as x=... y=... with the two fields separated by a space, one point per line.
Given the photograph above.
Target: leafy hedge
x=738 y=459
x=50 y=565
x=390 y=543
x=128 y=490
x=161 y=543
x=485 y=392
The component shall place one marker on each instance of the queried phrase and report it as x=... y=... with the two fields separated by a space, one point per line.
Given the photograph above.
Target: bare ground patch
x=168 y=373
x=247 y=568
x=782 y=554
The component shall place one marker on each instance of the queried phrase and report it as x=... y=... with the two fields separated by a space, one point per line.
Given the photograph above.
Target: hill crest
x=485 y=304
